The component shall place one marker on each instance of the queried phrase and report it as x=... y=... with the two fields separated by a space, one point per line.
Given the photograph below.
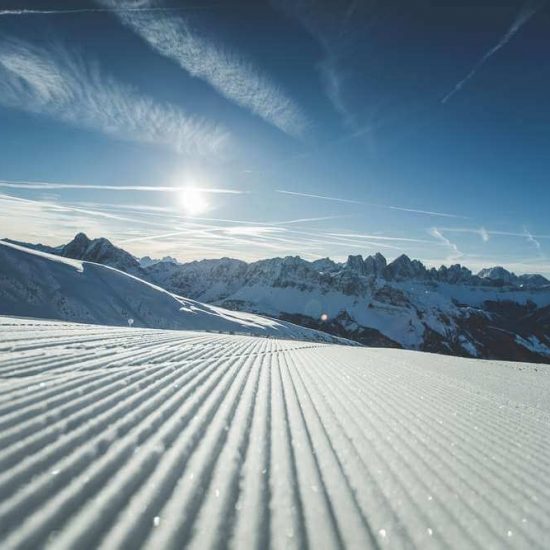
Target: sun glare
x=193 y=201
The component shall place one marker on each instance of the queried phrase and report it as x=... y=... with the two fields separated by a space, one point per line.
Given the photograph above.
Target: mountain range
x=493 y=314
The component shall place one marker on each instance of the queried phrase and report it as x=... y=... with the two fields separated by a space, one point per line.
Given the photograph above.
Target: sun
x=193 y=201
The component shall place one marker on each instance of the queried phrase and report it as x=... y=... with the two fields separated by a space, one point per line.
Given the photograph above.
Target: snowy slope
x=122 y=438
x=37 y=284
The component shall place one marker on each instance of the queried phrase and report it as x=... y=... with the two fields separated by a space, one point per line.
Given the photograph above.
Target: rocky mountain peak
x=405 y=268
x=454 y=274
x=100 y=251
x=324 y=265
x=77 y=246
x=356 y=264
x=375 y=265
x=371 y=265
x=147 y=261
x=497 y=273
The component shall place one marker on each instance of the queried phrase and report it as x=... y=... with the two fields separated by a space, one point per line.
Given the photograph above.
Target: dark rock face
x=337 y=327
x=390 y=295
x=324 y=265
x=533 y=281
x=356 y=264
x=375 y=265
x=494 y=314
x=198 y=278
x=100 y=251
x=147 y=261
x=372 y=265
x=291 y=271
x=403 y=268
x=454 y=274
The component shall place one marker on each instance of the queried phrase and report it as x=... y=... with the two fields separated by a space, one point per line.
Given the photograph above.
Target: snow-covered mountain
x=495 y=314
x=100 y=251
x=492 y=314
x=38 y=284
x=147 y=261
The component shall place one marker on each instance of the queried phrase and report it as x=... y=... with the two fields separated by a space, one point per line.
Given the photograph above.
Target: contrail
x=379 y=237
x=99 y=10
x=323 y=197
x=456 y=253
x=351 y=201
x=427 y=212
x=528 y=10
x=144 y=188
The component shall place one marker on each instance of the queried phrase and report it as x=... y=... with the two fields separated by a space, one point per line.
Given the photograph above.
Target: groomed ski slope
x=128 y=438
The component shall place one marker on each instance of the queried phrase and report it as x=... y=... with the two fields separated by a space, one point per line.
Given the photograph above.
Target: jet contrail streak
x=350 y=201
x=146 y=188
x=523 y=17
x=98 y=10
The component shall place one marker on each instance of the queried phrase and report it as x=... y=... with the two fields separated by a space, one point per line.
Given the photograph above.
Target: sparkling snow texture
x=128 y=438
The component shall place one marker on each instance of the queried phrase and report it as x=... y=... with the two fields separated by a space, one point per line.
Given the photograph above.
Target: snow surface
x=124 y=438
x=41 y=285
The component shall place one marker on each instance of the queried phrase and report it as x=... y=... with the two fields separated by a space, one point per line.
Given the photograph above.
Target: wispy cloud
x=132 y=188
x=52 y=206
x=427 y=212
x=175 y=213
x=334 y=87
x=79 y=11
x=376 y=205
x=50 y=222
x=332 y=38
x=379 y=237
x=532 y=240
x=529 y=9
x=227 y=72
x=55 y=83
x=535 y=242
x=309 y=220
x=484 y=234
x=322 y=197
x=455 y=253
x=258 y=230
x=491 y=232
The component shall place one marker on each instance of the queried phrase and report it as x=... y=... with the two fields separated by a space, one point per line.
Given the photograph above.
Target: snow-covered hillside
x=127 y=438
x=38 y=284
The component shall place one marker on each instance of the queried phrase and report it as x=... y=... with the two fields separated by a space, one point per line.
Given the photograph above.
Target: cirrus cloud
x=52 y=82
x=233 y=77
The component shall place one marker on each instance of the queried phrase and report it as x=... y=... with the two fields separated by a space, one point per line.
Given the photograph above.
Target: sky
x=254 y=129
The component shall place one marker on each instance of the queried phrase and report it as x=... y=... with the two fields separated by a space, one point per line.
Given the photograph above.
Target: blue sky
x=259 y=129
